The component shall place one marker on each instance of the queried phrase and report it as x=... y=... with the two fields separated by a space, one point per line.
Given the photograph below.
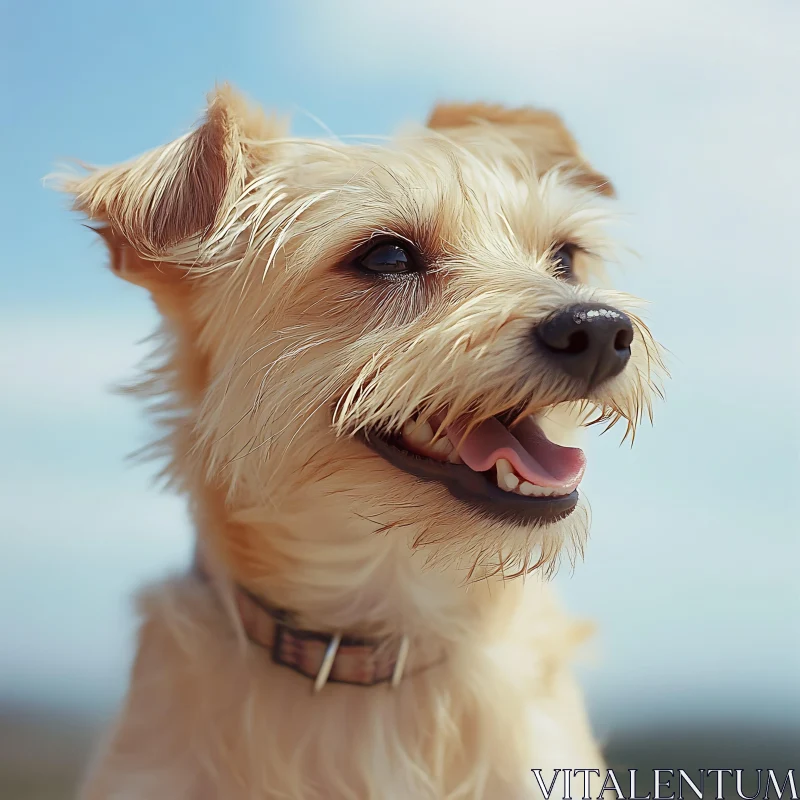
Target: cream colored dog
x=362 y=349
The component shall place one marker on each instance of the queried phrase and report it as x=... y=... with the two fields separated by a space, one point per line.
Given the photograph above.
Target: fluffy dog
x=366 y=354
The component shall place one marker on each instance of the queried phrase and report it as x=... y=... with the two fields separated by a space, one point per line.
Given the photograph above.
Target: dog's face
x=372 y=339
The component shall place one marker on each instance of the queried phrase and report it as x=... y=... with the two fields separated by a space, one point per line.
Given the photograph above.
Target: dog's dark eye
x=562 y=261
x=388 y=258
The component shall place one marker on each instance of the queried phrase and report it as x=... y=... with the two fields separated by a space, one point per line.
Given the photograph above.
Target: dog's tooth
x=452 y=454
x=455 y=458
x=409 y=428
x=503 y=467
x=532 y=490
x=420 y=433
x=506 y=478
x=442 y=446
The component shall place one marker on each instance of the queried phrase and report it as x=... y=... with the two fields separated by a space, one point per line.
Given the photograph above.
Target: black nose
x=589 y=341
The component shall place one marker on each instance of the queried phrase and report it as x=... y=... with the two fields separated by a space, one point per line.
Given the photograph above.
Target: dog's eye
x=388 y=258
x=562 y=261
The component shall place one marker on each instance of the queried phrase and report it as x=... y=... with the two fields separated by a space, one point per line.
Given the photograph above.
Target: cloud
x=555 y=41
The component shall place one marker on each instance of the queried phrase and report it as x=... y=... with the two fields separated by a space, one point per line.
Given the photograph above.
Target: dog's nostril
x=576 y=343
x=623 y=339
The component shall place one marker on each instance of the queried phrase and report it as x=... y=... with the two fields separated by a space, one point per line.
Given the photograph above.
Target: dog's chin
x=514 y=478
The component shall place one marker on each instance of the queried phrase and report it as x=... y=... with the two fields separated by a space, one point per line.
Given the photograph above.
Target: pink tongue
x=534 y=457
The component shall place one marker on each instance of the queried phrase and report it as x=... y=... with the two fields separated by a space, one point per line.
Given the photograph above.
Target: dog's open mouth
x=505 y=470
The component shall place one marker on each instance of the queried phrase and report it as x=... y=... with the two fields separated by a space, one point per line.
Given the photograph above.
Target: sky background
x=692 y=109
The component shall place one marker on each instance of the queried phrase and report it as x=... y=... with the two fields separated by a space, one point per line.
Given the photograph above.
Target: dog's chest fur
x=208 y=716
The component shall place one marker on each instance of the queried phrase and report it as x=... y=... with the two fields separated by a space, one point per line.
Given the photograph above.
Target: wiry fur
x=274 y=355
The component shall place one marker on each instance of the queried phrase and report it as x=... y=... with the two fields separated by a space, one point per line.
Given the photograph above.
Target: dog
x=367 y=355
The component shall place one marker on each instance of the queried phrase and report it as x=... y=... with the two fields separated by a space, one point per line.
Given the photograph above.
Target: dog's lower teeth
x=531 y=490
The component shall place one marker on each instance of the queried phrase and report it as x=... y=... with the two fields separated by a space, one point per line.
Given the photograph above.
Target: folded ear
x=541 y=133
x=181 y=190
x=167 y=283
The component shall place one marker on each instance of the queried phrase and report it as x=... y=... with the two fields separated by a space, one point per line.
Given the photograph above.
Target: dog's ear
x=176 y=193
x=541 y=133
x=166 y=282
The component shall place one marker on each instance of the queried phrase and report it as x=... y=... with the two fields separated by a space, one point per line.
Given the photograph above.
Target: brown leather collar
x=323 y=657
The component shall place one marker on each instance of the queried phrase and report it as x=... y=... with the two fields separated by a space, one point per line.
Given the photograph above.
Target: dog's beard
x=349 y=490
x=348 y=487
x=482 y=517
x=479 y=548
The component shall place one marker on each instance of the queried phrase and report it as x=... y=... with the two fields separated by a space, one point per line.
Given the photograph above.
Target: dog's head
x=371 y=339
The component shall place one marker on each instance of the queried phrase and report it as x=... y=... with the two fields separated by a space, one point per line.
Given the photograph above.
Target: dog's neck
x=322 y=656
x=347 y=578
x=333 y=633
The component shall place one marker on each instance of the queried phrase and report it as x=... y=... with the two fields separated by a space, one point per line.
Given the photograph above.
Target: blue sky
x=690 y=107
